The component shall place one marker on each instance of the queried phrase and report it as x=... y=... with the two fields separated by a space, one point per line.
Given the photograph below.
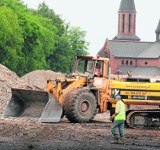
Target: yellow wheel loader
x=78 y=95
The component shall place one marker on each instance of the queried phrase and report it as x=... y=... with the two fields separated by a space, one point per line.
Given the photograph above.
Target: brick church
x=126 y=51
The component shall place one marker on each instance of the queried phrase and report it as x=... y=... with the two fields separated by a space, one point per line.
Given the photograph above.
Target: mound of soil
x=38 y=78
x=8 y=80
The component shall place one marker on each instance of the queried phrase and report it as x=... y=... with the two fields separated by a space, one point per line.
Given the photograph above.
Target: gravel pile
x=38 y=78
x=8 y=80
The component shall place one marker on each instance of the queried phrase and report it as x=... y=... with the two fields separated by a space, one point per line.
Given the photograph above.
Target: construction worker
x=119 y=118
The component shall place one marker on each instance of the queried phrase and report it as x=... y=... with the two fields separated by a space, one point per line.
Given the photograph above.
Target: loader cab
x=83 y=65
x=89 y=65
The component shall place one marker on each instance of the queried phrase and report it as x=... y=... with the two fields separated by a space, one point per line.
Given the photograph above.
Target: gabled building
x=126 y=52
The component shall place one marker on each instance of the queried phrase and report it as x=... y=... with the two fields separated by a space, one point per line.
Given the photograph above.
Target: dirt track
x=22 y=134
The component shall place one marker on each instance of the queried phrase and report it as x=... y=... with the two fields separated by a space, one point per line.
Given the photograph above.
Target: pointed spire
x=158 y=28
x=127 y=5
x=157 y=31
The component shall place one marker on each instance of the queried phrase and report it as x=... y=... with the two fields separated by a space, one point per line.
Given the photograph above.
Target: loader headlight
x=90 y=79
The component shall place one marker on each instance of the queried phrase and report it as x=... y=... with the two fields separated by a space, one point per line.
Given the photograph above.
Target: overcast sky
x=99 y=18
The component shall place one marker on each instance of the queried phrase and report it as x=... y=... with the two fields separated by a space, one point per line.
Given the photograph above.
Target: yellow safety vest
x=122 y=113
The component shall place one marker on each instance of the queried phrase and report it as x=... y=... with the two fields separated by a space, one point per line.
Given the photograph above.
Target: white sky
x=99 y=18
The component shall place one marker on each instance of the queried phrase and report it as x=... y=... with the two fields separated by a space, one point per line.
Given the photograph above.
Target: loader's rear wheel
x=80 y=105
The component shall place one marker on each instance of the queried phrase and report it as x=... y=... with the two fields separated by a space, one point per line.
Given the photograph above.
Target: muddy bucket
x=32 y=104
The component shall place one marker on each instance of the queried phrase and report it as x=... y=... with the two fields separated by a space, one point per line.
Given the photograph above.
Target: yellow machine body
x=139 y=91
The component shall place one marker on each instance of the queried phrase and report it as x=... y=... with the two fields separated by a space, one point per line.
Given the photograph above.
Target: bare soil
x=23 y=134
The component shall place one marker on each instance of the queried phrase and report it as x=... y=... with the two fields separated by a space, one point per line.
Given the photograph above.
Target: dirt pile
x=8 y=80
x=38 y=78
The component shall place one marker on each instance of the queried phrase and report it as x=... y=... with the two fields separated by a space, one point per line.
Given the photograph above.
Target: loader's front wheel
x=80 y=105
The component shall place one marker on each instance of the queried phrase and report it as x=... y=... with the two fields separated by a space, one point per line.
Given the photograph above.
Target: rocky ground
x=24 y=134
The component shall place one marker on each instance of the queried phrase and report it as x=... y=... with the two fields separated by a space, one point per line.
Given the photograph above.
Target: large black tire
x=80 y=105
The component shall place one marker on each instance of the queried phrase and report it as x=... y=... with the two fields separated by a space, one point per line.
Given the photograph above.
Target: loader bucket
x=32 y=104
x=52 y=111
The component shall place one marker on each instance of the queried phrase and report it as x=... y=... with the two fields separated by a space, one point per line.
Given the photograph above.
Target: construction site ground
x=23 y=134
x=28 y=134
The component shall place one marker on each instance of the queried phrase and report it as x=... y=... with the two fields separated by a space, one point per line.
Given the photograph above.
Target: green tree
x=37 y=39
x=77 y=41
x=44 y=11
x=11 y=39
x=70 y=41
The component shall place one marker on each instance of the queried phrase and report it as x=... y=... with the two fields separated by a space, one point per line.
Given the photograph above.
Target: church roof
x=132 y=49
x=141 y=70
x=127 y=5
x=151 y=52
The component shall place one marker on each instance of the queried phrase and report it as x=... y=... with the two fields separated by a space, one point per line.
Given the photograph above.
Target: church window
x=129 y=23
x=134 y=20
x=131 y=62
x=123 y=22
x=122 y=62
x=126 y=62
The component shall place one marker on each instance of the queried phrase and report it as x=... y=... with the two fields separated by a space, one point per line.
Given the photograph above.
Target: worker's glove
x=111 y=118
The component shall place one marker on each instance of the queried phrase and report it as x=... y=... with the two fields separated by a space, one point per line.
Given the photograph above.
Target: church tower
x=127 y=21
x=158 y=32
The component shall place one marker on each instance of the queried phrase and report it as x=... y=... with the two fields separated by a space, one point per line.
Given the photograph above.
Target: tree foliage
x=11 y=39
x=37 y=39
